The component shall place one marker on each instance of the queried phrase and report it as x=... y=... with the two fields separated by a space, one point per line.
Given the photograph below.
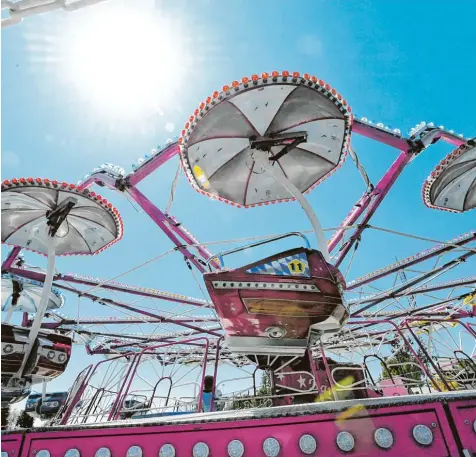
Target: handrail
x=220 y=255
x=155 y=388
x=128 y=379
x=384 y=364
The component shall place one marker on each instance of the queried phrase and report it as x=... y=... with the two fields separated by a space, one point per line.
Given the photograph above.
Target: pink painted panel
x=12 y=444
x=464 y=416
x=288 y=430
x=395 y=388
x=246 y=312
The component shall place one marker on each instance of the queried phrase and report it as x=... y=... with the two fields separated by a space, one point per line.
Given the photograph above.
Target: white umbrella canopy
x=91 y=225
x=21 y=294
x=302 y=123
x=452 y=185
x=267 y=139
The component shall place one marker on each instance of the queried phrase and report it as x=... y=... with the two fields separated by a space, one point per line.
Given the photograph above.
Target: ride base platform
x=436 y=425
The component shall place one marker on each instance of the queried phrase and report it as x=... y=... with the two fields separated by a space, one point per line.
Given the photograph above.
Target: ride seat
x=273 y=306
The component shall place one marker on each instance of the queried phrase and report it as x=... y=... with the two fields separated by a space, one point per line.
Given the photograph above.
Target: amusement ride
x=285 y=355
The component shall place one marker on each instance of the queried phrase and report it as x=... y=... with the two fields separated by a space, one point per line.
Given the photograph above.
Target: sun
x=127 y=61
x=122 y=60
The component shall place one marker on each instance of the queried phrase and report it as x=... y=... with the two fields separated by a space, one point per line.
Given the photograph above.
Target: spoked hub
x=58 y=215
x=286 y=142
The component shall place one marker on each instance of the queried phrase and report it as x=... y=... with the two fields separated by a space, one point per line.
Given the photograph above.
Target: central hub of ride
x=284 y=143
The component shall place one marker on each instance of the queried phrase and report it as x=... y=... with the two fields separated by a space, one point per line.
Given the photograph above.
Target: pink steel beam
x=446 y=285
x=40 y=277
x=423 y=290
x=190 y=239
x=154 y=213
x=467 y=326
x=162 y=221
x=371 y=201
x=412 y=260
x=389 y=138
x=102 y=350
x=151 y=165
x=135 y=310
x=115 y=320
x=385 y=137
x=12 y=255
x=164 y=339
x=116 y=337
x=415 y=281
x=408 y=147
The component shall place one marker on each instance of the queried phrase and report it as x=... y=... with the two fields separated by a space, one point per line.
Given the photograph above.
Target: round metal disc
x=218 y=146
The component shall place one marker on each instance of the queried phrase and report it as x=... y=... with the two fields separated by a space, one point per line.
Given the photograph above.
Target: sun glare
x=125 y=62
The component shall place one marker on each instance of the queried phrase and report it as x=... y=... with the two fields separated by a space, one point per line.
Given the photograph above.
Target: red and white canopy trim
x=90 y=227
x=216 y=149
x=452 y=185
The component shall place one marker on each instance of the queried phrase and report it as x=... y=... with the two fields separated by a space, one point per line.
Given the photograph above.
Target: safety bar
x=220 y=255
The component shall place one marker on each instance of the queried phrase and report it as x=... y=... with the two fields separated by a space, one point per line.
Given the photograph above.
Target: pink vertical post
x=328 y=371
x=315 y=373
x=215 y=371
x=77 y=396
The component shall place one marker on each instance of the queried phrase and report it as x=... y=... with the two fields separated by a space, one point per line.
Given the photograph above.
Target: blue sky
x=396 y=62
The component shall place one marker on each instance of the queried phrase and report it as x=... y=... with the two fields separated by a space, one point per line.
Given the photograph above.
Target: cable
x=173 y=188
x=360 y=167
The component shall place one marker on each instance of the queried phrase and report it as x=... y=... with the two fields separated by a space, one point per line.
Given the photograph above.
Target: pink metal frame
x=184 y=240
x=115 y=411
x=87 y=378
x=368 y=202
